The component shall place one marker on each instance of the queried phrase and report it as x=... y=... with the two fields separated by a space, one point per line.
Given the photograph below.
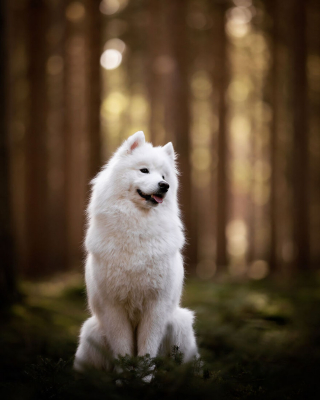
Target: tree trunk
x=76 y=134
x=300 y=157
x=7 y=268
x=55 y=140
x=274 y=83
x=177 y=118
x=94 y=84
x=154 y=75
x=82 y=117
x=36 y=165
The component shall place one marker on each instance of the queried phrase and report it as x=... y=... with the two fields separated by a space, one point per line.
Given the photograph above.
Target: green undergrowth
x=258 y=340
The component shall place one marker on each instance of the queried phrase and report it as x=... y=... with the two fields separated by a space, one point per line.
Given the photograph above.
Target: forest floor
x=258 y=340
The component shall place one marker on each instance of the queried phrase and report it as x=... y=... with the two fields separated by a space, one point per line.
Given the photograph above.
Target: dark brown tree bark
x=35 y=151
x=177 y=117
x=55 y=139
x=7 y=265
x=93 y=33
x=154 y=77
x=300 y=157
x=76 y=131
x=82 y=117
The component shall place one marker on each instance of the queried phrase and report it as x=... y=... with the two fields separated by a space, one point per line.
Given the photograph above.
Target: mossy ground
x=258 y=340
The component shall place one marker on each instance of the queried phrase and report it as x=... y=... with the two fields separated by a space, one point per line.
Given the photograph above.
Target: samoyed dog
x=134 y=270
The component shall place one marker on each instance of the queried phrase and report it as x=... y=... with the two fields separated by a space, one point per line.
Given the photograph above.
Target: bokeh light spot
x=115 y=44
x=240 y=128
x=239 y=15
x=237 y=30
x=238 y=90
x=238 y=19
x=75 y=11
x=110 y=59
x=114 y=104
x=237 y=238
x=110 y=7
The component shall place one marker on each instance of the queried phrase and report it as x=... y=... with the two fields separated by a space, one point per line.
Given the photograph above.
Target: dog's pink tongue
x=157 y=199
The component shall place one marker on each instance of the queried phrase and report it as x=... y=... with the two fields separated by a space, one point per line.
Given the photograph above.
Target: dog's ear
x=168 y=148
x=134 y=141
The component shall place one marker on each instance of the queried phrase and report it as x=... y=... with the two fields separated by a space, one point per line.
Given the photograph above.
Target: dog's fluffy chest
x=135 y=288
x=133 y=278
x=135 y=260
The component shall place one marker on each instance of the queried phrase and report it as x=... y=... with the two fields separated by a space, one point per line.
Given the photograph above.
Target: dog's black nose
x=164 y=186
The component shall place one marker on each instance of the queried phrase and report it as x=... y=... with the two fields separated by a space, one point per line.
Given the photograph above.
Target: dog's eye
x=163 y=177
x=144 y=170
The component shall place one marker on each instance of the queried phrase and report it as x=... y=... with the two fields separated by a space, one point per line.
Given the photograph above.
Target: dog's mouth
x=154 y=198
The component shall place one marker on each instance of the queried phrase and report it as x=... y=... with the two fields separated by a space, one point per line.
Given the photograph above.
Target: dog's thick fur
x=134 y=269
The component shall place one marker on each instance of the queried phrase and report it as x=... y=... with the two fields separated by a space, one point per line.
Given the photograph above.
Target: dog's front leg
x=151 y=329
x=117 y=329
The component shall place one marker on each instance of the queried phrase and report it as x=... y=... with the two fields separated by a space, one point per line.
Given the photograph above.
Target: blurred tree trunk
x=274 y=93
x=159 y=68
x=7 y=268
x=93 y=33
x=82 y=117
x=76 y=125
x=55 y=139
x=154 y=51
x=314 y=129
x=36 y=151
x=300 y=157
x=177 y=117
x=221 y=85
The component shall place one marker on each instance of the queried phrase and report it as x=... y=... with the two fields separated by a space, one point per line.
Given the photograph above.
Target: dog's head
x=145 y=174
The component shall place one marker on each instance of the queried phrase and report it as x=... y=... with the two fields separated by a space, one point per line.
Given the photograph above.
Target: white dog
x=134 y=270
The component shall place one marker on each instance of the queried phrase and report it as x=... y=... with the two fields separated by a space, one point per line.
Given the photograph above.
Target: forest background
x=235 y=85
